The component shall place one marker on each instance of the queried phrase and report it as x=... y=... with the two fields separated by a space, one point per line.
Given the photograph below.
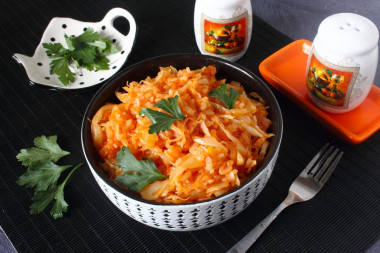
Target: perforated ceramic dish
x=185 y=217
x=37 y=67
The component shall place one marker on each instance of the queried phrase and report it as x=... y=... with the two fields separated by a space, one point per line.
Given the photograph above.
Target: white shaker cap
x=348 y=34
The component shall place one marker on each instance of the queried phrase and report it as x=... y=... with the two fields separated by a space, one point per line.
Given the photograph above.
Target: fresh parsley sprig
x=46 y=148
x=137 y=173
x=227 y=99
x=87 y=50
x=163 y=121
x=43 y=173
x=43 y=198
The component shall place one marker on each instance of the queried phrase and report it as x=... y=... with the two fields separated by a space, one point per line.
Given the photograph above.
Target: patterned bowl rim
x=86 y=138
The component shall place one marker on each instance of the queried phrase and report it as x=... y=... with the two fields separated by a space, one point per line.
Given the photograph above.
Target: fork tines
x=324 y=163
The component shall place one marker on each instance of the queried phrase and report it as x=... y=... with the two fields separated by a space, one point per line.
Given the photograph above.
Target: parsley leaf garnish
x=43 y=173
x=46 y=148
x=86 y=50
x=43 y=198
x=55 y=50
x=61 y=68
x=137 y=173
x=163 y=121
x=227 y=99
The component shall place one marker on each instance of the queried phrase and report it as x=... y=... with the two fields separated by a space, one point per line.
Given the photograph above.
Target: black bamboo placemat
x=343 y=217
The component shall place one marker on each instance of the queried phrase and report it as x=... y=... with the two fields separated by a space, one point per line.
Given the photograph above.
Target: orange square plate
x=285 y=70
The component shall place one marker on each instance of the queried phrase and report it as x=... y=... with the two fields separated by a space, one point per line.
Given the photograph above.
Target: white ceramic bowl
x=184 y=217
x=37 y=67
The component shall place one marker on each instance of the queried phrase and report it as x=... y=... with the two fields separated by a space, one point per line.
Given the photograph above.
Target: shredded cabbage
x=210 y=153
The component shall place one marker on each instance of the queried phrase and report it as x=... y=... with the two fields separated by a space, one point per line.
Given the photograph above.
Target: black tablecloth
x=343 y=217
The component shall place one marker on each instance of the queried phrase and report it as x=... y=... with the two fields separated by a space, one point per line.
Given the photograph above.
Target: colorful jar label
x=224 y=36
x=331 y=84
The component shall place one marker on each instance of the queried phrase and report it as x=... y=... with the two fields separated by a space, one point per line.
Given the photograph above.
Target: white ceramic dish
x=37 y=67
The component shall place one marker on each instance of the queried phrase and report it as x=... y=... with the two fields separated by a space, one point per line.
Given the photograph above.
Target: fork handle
x=247 y=241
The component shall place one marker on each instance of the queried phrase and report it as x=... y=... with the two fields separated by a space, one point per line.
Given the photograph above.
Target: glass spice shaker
x=342 y=63
x=223 y=28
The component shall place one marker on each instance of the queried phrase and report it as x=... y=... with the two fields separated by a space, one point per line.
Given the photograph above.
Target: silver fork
x=305 y=187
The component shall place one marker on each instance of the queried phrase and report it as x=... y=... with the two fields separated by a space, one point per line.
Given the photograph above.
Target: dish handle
x=115 y=13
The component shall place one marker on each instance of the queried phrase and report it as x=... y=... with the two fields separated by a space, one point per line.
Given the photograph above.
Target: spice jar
x=223 y=28
x=342 y=63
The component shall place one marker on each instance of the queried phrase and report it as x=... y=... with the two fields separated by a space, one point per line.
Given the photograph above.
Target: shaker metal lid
x=348 y=33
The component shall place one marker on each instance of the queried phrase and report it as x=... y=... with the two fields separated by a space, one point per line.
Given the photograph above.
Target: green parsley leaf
x=79 y=42
x=43 y=198
x=60 y=67
x=85 y=55
x=101 y=45
x=227 y=99
x=84 y=47
x=111 y=48
x=43 y=174
x=137 y=173
x=69 y=42
x=46 y=149
x=86 y=50
x=163 y=121
x=171 y=106
x=101 y=63
x=160 y=121
x=55 y=50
